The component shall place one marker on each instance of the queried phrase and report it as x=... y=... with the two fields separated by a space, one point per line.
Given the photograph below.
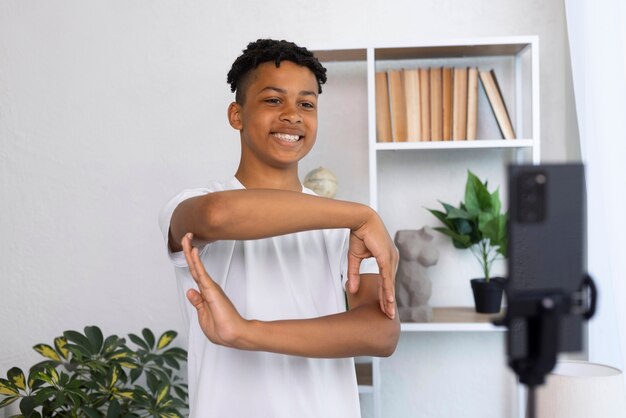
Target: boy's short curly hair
x=267 y=50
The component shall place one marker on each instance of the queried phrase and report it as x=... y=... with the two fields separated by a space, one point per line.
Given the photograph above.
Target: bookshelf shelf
x=454 y=319
x=433 y=145
x=402 y=184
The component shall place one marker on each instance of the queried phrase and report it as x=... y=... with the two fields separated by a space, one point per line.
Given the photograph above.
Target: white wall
x=109 y=107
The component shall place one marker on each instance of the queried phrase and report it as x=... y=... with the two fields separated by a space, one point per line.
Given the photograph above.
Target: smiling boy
x=269 y=332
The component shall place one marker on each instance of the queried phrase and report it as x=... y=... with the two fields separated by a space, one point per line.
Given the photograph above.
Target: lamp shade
x=582 y=389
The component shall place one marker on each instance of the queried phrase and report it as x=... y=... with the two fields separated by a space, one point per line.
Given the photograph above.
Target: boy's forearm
x=260 y=213
x=362 y=331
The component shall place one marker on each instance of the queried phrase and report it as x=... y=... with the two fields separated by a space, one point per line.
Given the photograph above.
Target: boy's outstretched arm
x=363 y=330
x=262 y=213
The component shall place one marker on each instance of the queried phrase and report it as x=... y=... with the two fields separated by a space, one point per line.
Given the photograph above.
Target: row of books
x=435 y=104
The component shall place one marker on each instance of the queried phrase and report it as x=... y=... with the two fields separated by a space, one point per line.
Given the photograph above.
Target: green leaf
x=112 y=343
x=166 y=339
x=44 y=394
x=149 y=337
x=90 y=412
x=496 y=206
x=141 y=343
x=95 y=337
x=455 y=213
x=16 y=376
x=114 y=409
x=477 y=198
x=47 y=351
x=27 y=405
x=153 y=381
x=463 y=241
x=172 y=362
x=81 y=341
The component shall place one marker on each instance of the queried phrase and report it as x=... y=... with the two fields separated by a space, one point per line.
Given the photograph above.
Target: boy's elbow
x=388 y=341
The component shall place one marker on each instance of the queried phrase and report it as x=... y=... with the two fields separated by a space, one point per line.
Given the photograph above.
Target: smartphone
x=547 y=224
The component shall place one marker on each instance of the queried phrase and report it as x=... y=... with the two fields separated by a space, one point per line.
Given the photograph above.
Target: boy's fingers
x=354 y=277
x=388 y=292
x=196 y=268
x=196 y=300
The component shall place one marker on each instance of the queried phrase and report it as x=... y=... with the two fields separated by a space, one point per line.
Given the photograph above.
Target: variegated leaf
x=42 y=376
x=8 y=401
x=120 y=355
x=7 y=388
x=128 y=394
x=114 y=376
x=128 y=365
x=54 y=374
x=16 y=376
x=166 y=339
x=162 y=393
x=47 y=351
x=60 y=344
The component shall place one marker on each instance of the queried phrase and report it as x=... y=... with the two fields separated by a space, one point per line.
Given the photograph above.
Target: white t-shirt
x=294 y=276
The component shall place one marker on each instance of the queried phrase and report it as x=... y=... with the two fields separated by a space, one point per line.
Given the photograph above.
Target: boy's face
x=278 y=119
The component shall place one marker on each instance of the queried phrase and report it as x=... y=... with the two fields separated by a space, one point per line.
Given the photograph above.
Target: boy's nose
x=291 y=115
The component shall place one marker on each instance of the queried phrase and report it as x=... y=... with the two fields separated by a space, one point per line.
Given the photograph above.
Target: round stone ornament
x=322 y=181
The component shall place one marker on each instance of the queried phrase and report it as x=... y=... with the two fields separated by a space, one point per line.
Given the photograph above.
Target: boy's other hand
x=373 y=240
x=218 y=318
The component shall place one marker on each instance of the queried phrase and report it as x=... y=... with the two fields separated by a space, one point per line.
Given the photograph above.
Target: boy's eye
x=307 y=105
x=272 y=100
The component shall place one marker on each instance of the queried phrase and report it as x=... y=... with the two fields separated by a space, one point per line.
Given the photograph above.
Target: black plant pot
x=488 y=295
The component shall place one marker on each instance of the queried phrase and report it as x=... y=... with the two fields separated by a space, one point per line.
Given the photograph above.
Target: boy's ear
x=234 y=116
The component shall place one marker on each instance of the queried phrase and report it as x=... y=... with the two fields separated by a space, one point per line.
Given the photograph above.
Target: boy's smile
x=278 y=119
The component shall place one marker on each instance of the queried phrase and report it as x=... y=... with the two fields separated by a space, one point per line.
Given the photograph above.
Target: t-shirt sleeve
x=165 y=217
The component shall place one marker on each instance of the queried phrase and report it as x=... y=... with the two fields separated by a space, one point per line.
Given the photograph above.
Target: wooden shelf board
x=478 y=143
x=454 y=319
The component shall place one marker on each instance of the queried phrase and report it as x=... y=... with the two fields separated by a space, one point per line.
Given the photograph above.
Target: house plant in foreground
x=479 y=225
x=87 y=375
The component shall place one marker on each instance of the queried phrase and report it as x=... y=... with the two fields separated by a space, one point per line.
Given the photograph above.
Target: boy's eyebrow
x=283 y=91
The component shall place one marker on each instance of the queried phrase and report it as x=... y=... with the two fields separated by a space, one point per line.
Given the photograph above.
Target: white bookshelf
x=427 y=168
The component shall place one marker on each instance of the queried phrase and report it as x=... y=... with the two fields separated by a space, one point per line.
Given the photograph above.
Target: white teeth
x=287 y=137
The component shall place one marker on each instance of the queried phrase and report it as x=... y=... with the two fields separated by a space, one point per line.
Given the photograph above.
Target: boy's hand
x=373 y=240
x=218 y=318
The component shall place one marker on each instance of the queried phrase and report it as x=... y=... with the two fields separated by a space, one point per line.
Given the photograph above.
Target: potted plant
x=479 y=225
x=87 y=375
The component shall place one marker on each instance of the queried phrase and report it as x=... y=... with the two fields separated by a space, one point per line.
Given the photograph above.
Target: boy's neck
x=286 y=179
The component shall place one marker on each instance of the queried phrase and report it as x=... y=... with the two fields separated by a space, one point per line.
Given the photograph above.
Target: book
x=425 y=102
x=490 y=83
x=383 y=117
x=412 y=97
x=459 y=104
x=446 y=92
x=436 y=105
x=398 y=106
x=472 y=102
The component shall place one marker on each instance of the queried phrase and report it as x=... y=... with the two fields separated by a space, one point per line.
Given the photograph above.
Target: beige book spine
x=383 y=120
x=472 y=102
x=413 y=111
x=459 y=105
x=436 y=105
x=425 y=102
x=446 y=92
x=494 y=95
x=398 y=106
